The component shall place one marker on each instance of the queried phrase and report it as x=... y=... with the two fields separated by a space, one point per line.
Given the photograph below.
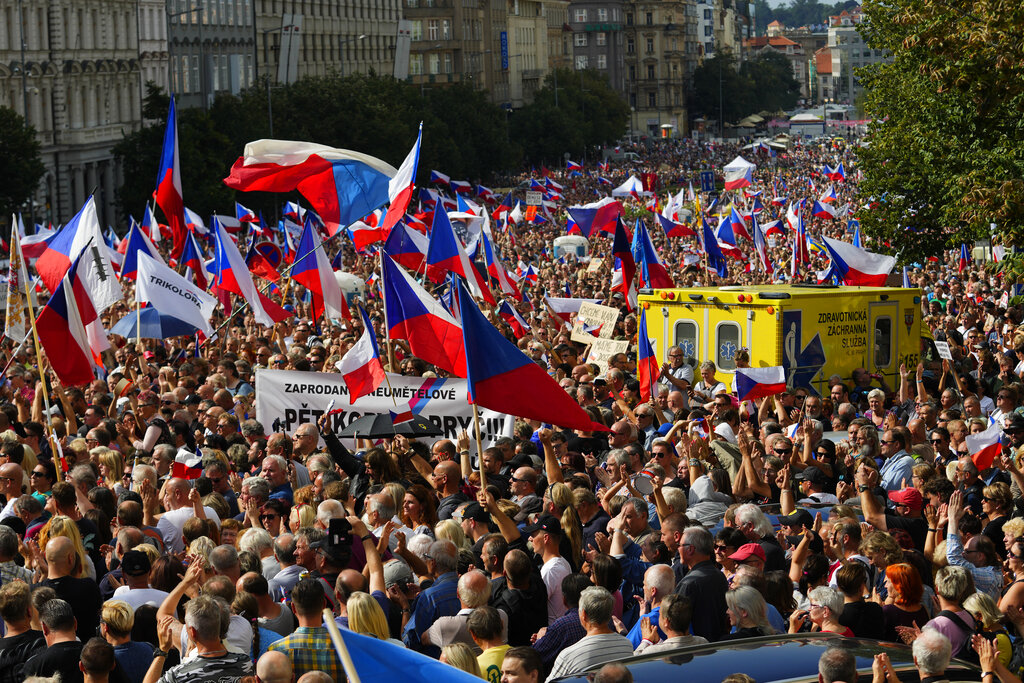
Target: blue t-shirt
x=134 y=659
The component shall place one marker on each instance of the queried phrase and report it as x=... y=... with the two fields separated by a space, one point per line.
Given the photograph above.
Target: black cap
x=338 y=555
x=476 y=512
x=192 y=400
x=800 y=517
x=813 y=475
x=545 y=523
x=135 y=563
x=1014 y=422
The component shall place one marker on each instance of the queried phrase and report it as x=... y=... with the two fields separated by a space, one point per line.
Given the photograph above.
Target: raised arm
x=874 y=513
x=507 y=527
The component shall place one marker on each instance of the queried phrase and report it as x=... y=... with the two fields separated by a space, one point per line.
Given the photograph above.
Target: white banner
x=286 y=399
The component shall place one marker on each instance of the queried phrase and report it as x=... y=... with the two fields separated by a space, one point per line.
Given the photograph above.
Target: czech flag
x=625 y=261
x=674 y=229
x=496 y=269
x=401 y=186
x=414 y=315
x=756 y=383
x=600 y=215
x=652 y=273
x=823 y=210
x=187 y=466
x=647 y=367
x=566 y=307
x=192 y=258
x=858 y=266
x=761 y=247
x=836 y=174
x=313 y=270
x=61 y=328
x=407 y=247
x=716 y=259
x=502 y=378
x=459 y=186
x=437 y=177
x=245 y=215
x=572 y=166
x=985 y=446
x=773 y=228
x=259 y=265
x=360 y=367
x=363 y=235
x=168 y=193
x=232 y=275
x=739 y=227
x=342 y=185
x=854 y=225
x=446 y=253
x=511 y=316
x=134 y=243
x=961 y=266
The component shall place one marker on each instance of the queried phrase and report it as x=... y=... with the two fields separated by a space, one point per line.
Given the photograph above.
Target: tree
x=946 y=149
x=772 y=85
x=719 y=89
x=20 y=164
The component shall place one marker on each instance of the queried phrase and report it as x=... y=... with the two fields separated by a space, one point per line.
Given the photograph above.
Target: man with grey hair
x=837 y=665
x=380 y=509
x=440 y=600
x=275 y=471
x=659 y=582
x=214 y=662
x=62 y=650
x=178 y=511
x=224 y=560
x=600 y=645
x=932 y=652
x=9 y=570
x=758 y=529
x=284 y=552
x=474 y=590
x=704 y=584
x=254 y=488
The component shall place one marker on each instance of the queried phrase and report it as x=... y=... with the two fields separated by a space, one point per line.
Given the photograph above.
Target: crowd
x=583 y=548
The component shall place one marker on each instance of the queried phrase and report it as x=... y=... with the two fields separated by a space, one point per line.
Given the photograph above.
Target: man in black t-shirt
x=82 y=594
x=21 y=641
x=62 y=650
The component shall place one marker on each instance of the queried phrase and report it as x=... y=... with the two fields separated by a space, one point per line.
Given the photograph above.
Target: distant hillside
x=798 y=13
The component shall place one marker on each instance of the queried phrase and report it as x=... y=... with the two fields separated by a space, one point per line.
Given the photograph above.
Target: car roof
x=768 y=659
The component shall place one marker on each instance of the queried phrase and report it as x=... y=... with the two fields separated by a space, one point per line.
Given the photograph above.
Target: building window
x=602 y=61
x=580 y=14
x=707 y=34
x=650 y=72
x=632 y=75
x=433 y=30
x=649 y=18
x=630 y=46
x=434 y=60
x=602 y=14
x=629 y=18
x=580 y=39
x=601 y=38
x=446 y=30
x=581 y=62
x=417 y=29
x=650 y=46
x=416 y=65
x=707 y=15
x=447 y=62
x=652 y=100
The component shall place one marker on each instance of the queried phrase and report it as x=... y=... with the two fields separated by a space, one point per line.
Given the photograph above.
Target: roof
x=774 y=41
x=776 y=23
x=823 y=61
x=768 y=295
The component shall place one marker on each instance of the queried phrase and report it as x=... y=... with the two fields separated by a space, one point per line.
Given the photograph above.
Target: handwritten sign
x=943 y=349
x=603 y=349
x=594 y=321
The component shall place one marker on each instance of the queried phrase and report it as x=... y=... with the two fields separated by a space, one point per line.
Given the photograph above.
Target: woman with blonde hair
x=986 y=614
x=65 y=526
x=117 y=618
x=230 y=530
x=366 y=616
x=572 y=527
x=882 y=550
x=301 y=516
x=450 y=530
x=460 y=656
x=111 y=467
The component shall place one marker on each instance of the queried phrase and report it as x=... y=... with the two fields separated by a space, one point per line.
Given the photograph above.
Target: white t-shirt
x=137 y=597
x=553 y=571
x=171 y=524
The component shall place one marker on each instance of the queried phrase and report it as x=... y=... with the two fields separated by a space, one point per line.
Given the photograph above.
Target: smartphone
x=330 y=406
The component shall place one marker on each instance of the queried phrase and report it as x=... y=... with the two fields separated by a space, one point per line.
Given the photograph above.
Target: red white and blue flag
x=313 y=271
x=407 y=247
x=361 y=367
x=985 y=446
x=232 y=275
x=511 y=316
x=647 y=367
x=756 y=383
x=61 y=328
x=245 y=215
x=439 y=178
x=600 y=216
x=168 y=192
x=401 y=186
x=859 y=267
x=135 y=242
x=625 y=265
x=446 y=253
x=962 y=262
x=652 y=273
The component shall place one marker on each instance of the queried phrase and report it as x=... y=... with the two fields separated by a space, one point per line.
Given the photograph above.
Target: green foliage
x=798 y=13
x=946 y=154
x=589 y=113
x=763 y=83
x=20 y=164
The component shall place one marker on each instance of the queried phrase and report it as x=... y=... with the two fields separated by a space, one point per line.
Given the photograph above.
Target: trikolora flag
x=985 y=446
x=172 y=295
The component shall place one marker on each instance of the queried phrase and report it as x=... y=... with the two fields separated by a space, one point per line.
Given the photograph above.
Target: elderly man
x=12 y=478
x=600 y=645
x=179 y=510
x=275 y=471
x=441 y=599
x=704 y=584
x=659 y=582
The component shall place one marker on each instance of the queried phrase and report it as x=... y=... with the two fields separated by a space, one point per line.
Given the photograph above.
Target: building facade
x=598 y=40
x=79 y=84
x=848 y=52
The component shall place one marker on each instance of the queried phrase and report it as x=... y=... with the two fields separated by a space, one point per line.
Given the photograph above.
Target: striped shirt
x=590 y=652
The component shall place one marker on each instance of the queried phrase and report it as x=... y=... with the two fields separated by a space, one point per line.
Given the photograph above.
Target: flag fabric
x=137 y=243
x=62 y=332
x=739 y=226
x=800 y=250
x=566 y=307
x=495 y=268
x=16 y=323
x=823 y=210
x=836 y=174
x=342 y=185
x=187 y=466
x=446 y=253
x=312 y=270
x=406 y=246
x=192 y=258
x=150 y=226
x=68 y=243
x=168 y=192
x=626 y=263
x=232 y=275
x=738 y=173
x=716 y=259
x=600 y=215
x=854 y=224
x=194 y=222
x=906 y=278
x=829 y=196
x=674 y=229
x=259 y=265
x=756 y=383
x=511 y=316
x=245 y=215
x=572 y=166
x=500 y=377
x=437 y=177
x=858 y=266
x=773 y=228
x=622 y=283
x=361 y=367
x=647 y=368
x=459 y=186
x=761 y=247
x=652 y=273
x=985 y=446
x=402 y=417
x=963 y=260
x=412 y=314
x=401 y=186
x=172 y=295
x=363 y=235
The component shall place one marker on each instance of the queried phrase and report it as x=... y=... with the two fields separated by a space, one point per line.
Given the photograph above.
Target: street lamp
x=341 y=52
x=202 y=61
x=824 y=115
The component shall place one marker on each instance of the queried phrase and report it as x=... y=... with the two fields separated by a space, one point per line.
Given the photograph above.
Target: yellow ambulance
x=813 y=331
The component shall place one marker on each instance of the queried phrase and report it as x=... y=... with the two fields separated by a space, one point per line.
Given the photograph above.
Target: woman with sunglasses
x=996 y=504
x=727 y=541
x=42 y=479
x=1013 y=594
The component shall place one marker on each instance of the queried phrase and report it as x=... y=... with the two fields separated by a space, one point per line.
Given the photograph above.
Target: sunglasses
x=269 y=518
x=783 y=451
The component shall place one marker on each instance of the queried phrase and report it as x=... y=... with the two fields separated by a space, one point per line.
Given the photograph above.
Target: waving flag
x=437 y=177
x=363 y=235
x=446 y=253
x=496 y=269
x=136 y=243
x=245 y=215
x=836 y=174
x=906 y=278
x=150 y=226
x=232 y=275
x=16 y=322
x=572 y=166
x=600 y=215
x=401 y=186
x=502 y=378
x=259 y=265
x=756 y=383
x=857 y=266
x=829 y=196
x=761 y=247
x=485 y=193
x=414 y=315
x=459 y=186
x=647 y=368
x=773 y=228
x=194 y=222
x=801 y=253
x=961 y=262
x=625 y=262
x=313 y=270
x=716 y=259
x=652 y=273
x=566 y=307
x=738 y=173
x=61 y=329
x=739 y=226
x=674 y=229
x=343 y=186
x=172 y=295
x=407 y=247
x=168 y=192
x=511 y=316
x=192 y=258
x=360 y=367
x=823 y=210
x=854 y=225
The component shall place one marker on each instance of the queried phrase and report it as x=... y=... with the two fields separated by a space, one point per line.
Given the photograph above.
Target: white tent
x=738 y=173
x=631 y=186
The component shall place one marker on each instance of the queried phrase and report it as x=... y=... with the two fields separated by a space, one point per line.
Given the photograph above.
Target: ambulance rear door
x=884 y=322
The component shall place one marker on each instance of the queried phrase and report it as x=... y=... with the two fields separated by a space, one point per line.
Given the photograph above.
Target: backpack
x=966 y=651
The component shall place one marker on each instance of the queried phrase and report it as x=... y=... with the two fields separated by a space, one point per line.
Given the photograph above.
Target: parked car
x=782 y=657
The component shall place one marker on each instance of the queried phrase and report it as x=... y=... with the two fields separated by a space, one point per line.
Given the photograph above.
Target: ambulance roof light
x=773 y=295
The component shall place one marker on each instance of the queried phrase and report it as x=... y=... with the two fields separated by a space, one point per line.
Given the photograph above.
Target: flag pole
x=42 y=374
x=479 y=448
x=138 y=322
x=340 y=647
x=387 y=325
x=14 y=354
